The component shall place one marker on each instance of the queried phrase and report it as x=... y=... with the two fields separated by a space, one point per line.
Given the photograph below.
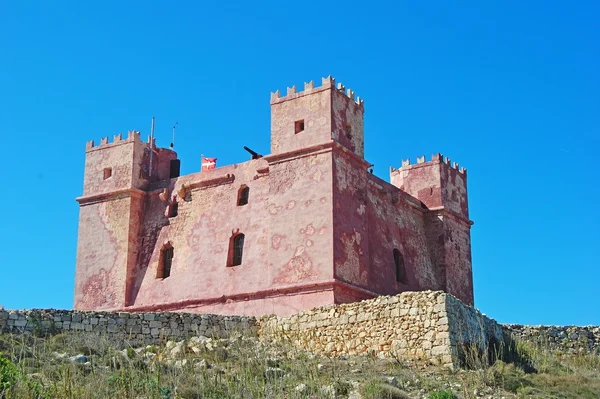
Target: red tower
x=304 y=226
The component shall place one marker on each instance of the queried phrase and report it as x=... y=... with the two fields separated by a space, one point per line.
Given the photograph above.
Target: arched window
x=243 y=194
x=165 y=261
x=400 y=269
x=236 y=250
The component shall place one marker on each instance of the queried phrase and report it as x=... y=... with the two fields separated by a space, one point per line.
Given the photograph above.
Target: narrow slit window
x=243 y=194
x=299 y=126
x=173 y=209
x=174 y=168
x=107 y=173
x=237 y=250
x=166 y=260
x=400 y=268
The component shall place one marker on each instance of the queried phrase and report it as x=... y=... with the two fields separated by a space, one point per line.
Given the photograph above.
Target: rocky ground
x=89 y=366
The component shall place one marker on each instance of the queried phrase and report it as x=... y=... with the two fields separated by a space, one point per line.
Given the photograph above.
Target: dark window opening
x=173 y=209
x=107 y=173
x=174 y=168
x=400 y=269
x=166 y=260
x=299 y=126
x=237 y=250
x=243 y=194
x=349 y=131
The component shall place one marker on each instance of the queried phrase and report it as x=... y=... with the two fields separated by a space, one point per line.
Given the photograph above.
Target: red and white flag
x=208 y=163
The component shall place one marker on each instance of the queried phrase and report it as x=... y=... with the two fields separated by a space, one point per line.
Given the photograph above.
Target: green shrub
x=8 y=373
x=443 y=394
x=130 y=352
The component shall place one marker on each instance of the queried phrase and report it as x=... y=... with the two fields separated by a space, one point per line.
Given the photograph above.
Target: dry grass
x=243 y=367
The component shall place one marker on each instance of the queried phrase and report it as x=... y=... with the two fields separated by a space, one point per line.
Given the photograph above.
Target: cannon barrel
x=254 y=154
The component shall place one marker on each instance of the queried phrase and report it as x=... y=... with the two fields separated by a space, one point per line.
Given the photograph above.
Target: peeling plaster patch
x=310 y=230
x=323 y=200
x=307 y=203
x=274 y=209
x=276 y=241
x=298 y=268
x=361 y=209
x=309 y=243
x=318 y=175
x=98 y=289
x=322 y=120
x=291 y=204
x=350 y=268
x=218 y=249
x=322 y=230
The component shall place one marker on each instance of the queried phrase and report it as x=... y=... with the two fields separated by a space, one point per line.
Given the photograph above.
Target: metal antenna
x=173 y=141
x=151 y=145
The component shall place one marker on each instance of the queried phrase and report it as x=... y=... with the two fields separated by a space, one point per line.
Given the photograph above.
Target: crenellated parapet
x=132 y=135
x=309 y=87
x=435 y=158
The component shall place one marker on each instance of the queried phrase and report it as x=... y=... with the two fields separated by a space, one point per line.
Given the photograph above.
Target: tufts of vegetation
x=376 y=389
x=82 y=365
x=443 y=394
x=8 y=374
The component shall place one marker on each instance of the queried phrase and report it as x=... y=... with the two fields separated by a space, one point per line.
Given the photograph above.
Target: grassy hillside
x=88 y=366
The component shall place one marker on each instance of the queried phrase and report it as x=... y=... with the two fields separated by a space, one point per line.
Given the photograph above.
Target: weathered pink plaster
x=319 y=228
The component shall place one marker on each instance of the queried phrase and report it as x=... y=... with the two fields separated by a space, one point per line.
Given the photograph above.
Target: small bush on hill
x=8 y=374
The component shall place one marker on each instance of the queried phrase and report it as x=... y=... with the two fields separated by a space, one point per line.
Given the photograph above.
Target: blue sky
x=508 y=89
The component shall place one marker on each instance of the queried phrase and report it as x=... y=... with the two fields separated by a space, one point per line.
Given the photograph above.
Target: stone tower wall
x=327 y=113
x=318 y=227
x=441 y=185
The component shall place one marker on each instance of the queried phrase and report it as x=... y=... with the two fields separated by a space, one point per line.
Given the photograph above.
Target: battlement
x=326 y=83
x=132 y=135
x=437 y=158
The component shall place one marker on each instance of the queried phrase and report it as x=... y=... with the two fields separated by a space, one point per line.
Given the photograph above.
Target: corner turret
x=315 y=116
x=441 y=185
x=124 y=164
x=111 y=214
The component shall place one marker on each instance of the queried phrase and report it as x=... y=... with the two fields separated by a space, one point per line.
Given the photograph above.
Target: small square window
x=107 y=173
x=349 y=131
x=299 y=126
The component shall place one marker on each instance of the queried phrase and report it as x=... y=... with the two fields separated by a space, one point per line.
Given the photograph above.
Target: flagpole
x=151 y=145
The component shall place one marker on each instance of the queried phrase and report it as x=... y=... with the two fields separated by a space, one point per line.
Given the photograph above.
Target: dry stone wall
x=430 y=326
x=569 y=339
x=133 y=328
x=426 y=325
